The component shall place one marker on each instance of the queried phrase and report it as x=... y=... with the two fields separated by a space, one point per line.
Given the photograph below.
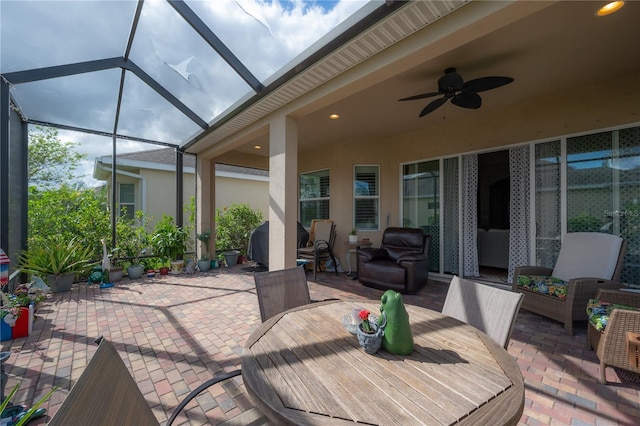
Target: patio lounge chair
x=611 y=343
x=587 y=262
x=489 y=309
x=107 y=395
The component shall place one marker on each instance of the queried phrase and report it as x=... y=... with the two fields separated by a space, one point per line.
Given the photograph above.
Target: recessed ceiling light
x=334 y=116
x=257 y=147
x=610 y=8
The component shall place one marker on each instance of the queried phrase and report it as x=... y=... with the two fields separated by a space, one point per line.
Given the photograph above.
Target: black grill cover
x=258 y=250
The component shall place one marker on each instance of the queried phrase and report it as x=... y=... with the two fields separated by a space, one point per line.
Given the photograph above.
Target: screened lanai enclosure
x=161 y=73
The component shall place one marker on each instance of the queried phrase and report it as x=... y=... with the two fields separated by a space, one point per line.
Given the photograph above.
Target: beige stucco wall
x=609 y=104
x=160 y=189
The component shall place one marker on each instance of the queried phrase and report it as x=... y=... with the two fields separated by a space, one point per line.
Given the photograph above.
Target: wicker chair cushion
x=544 y=284
x=599 y=312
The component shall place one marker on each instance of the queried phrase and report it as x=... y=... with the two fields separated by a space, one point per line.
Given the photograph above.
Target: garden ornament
x=397 y=333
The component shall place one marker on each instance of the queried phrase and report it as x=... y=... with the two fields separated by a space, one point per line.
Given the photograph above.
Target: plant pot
x=60 y=283
x=164 y=270
x=231 y=257
x=135 y=271
x=204 y=265
x=151 y=273
x=214 y=264
x=353 y=238
x=177 y=266
x=115 y=275
x=241 y=259
x=371 y=342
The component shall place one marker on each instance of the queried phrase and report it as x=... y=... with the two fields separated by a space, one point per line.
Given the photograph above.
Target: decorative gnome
x=397 y=334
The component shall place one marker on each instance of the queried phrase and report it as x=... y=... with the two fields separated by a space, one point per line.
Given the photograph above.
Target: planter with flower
x=369 y=333
x=17 y=312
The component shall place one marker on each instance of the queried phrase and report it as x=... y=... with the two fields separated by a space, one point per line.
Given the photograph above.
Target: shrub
x=234 y=225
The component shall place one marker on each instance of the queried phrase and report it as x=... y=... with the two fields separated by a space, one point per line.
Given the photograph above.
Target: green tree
x=68 y=213
x=52 y=163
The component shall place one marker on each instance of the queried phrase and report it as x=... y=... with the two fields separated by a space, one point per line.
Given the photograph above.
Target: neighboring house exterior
x=146 y=181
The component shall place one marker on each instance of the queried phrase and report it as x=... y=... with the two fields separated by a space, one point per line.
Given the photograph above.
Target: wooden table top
x=304 y=367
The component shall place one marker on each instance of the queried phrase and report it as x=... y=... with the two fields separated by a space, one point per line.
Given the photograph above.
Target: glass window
x=547 y=199
x=366 y=203
x=421 y=203
x=314 y=196
x=127 y=200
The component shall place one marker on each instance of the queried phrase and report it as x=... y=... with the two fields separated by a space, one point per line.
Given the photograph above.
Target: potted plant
x=353 y=235
x=133 y=239
x=233 y=229
x=57 y=262
x=163 y=265
x=170 y=241
x=204 y=264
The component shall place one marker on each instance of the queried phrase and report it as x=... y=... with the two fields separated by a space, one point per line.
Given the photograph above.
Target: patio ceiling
x=547 y=47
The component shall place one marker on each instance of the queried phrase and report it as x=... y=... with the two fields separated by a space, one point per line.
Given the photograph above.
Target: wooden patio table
x=304 y=367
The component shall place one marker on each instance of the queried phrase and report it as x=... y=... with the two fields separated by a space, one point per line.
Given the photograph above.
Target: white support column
x=283 y=199
x=206 y=201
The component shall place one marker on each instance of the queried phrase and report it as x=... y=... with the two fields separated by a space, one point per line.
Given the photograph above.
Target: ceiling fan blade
x=467 y=100
x=485 y=83
x=433 y=105
x=422 y=96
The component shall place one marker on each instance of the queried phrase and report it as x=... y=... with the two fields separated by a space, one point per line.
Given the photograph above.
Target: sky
x=267 y=36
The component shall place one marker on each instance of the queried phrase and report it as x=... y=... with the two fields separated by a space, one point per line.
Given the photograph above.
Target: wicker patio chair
x=106 y=394
x=611 y=345
x=587 y=262
x=489 y=309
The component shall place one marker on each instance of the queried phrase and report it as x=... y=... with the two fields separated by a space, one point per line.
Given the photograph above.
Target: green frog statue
x=397 y=333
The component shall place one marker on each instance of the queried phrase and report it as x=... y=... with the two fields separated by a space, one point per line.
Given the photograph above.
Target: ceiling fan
x=465 y=95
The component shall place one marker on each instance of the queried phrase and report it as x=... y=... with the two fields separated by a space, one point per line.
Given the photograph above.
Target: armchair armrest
x=412 y=257
x=618 y=297
x=369 y=254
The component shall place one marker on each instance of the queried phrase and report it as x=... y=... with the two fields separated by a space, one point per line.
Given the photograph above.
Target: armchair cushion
x=544 y=284
x=600 y=311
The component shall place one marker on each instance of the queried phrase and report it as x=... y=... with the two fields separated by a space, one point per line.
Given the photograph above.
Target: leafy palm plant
x=56 y=257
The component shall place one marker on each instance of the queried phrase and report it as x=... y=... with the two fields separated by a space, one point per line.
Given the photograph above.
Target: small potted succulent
x=353 y=235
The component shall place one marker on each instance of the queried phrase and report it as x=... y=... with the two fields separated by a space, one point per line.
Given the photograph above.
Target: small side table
x=353 y=248
x=633 y=348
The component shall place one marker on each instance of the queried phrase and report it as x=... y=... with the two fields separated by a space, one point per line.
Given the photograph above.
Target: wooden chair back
x=281 y=290
x=489 y=309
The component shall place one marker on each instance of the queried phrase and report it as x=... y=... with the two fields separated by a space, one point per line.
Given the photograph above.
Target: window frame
x=320 y=173
x=122 y=204
x=357 y=198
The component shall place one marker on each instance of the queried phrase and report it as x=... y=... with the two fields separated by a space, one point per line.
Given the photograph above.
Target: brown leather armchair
x=401 y=263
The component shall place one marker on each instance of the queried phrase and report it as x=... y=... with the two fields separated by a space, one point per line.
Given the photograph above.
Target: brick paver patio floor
x=176 y=331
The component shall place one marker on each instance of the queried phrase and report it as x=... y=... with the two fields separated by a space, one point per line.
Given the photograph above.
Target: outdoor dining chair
x=322 y=239
x=107 y=395
x=489 y=309
x=281 y=290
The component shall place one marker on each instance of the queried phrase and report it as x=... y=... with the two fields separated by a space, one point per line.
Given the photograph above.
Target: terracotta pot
x=164 y=270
